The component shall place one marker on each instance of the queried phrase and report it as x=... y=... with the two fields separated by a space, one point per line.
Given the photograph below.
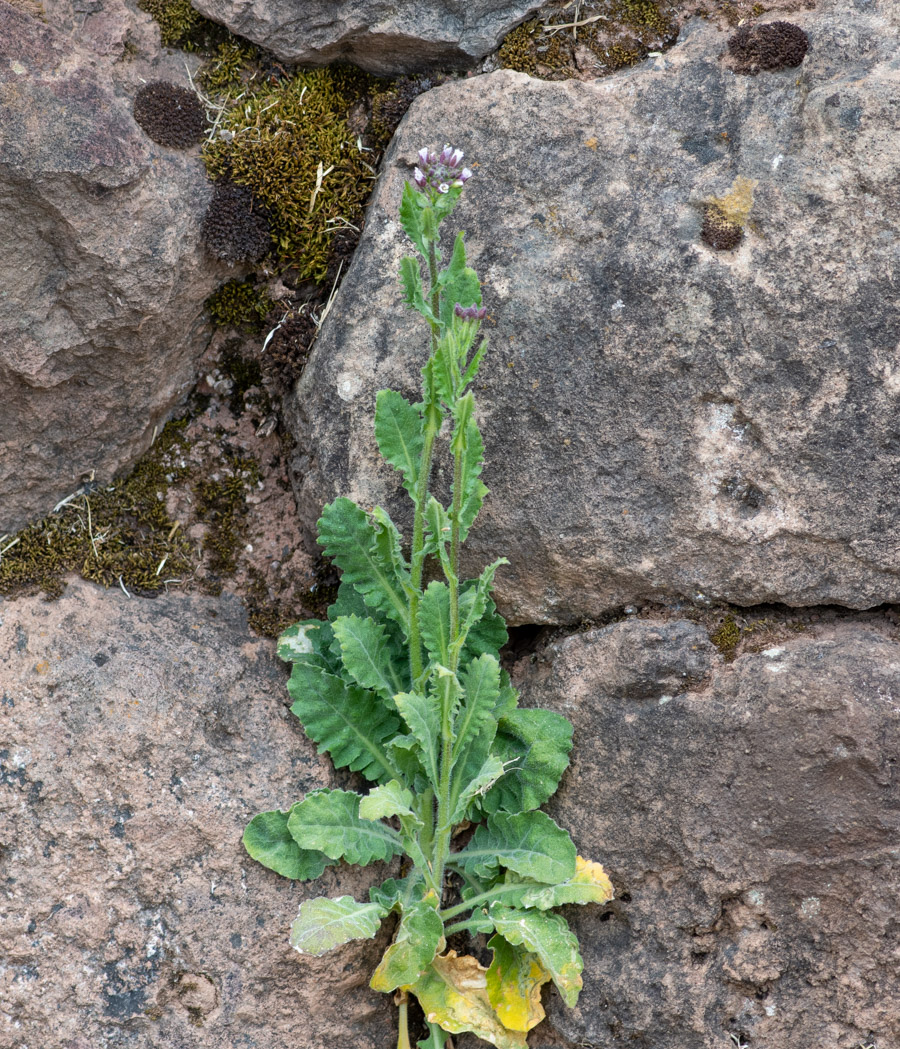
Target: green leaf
x=397 y=893
x=453 y=993
x=351 y=539
x=413 y=294
x=471 y=488
x=589 y=884
x=307 y=642
x=434 y=622
x=480 y=783
x=328 y=820
x=459 y=282
x=474 y=599
x=423 y=717
x=437 y=1038
x=487 y=634
x=437 y=522
x=348 y=722
x=390 y=799
x=268 y=840
x=400 y=433
x=474 y=364
x=550 y=938
x=366 y=654
x=528 y=843
x=535 y=746
x=420 y=936
x=514 y=982
x=323 y=924
x=411 y=217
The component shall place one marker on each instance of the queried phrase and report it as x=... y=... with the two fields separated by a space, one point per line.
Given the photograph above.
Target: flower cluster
x=439 y=171
x=470 y=313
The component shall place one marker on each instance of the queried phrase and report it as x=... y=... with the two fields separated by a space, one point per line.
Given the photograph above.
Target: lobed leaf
x=366 y=654
x=550 y=938
x=473 y=600
x=329 y=820
x=323 y=923
x=348 y=722
x=434 y=622
x=397 y=893
x=268 y=840
x=535 y=746
x=351 y=539
x=413 y=293
x=472 y=489
x=400 y=433
x=420 y=936
x=411 y=217
x=528 y=843
x=307 y=642
x=487 y=634
x=589 y=884
x=474 y=725
x=459 y=282
x=453 y=993
x=514 y=981
x=390 y=799
x=423 y=717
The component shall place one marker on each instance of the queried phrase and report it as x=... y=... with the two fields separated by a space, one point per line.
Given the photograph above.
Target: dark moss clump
x=768 y=47
x=222 y=507
x=528 y=49
x=111 y=534
x=240 y=304
x=389 y=106
x=236 y=227
x=288 y=351
x=643 y=15
x=246 y=377
x=726 y=637
x=170 y=115
x=719 y=231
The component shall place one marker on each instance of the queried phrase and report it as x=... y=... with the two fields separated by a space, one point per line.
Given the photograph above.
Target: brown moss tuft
x=718 y=231
x=767 y=47
x=236 y=228
x=170 y=115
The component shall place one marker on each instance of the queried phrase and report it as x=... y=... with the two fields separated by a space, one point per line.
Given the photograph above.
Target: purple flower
x=438 y=172
x=470 y=313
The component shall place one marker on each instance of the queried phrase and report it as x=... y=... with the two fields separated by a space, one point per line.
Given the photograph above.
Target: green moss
x=290 y=143
x=240 y=303
x=228 y=70
x=518 y=50
x=727 y=636
x=181 y=26
x=642 y=15
x=221 y=504
x=119 y=532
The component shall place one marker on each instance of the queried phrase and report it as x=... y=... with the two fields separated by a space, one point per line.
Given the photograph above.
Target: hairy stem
x=402 y=1001
x=484 y=897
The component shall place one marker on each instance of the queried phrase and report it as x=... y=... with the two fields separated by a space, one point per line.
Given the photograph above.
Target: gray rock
x=750 y=828
x=103 y=277
x=138 y=737
x=378 y=35
x=662 y=420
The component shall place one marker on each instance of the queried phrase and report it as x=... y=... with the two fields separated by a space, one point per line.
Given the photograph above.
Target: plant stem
x=453 y=580
x=402 y=1001
x=484 y=897
x=417 y=561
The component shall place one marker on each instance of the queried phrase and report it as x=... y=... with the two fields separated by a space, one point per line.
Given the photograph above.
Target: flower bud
x=470 y=313
x=437 y=173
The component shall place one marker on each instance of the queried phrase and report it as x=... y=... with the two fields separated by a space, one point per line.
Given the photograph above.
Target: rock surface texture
x=749 y=817
x=663 y=420
x=102 y=271
x=381 y=36
x=136 y=739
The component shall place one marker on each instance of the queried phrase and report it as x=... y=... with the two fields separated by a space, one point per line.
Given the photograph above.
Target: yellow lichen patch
x=736 y=204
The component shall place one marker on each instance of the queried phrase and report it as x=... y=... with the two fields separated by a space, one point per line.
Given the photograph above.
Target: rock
x=380 y=36
x=750 y=826
x=103 y=275
x=138 y=739
x=663 y=421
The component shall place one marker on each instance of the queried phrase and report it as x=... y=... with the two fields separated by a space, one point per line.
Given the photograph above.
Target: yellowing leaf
x=453 y=993
x=589 y=884
x=514 y=983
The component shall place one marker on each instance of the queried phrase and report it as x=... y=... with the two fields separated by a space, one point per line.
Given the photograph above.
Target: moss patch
x=289 y=141
x=117 y=533
x=726 y=638
x=222 y=507
x=241 y=304
x=181 y=26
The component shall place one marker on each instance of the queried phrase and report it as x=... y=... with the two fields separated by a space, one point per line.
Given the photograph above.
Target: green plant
x=402 y=683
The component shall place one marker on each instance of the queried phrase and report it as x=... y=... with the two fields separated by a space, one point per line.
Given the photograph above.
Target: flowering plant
x=402 y=683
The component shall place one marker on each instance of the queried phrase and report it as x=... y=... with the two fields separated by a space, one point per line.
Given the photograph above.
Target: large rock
x=136 y=739
x=662 y=420
x=749 y=820
x=103 y=275
x=381 y=36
